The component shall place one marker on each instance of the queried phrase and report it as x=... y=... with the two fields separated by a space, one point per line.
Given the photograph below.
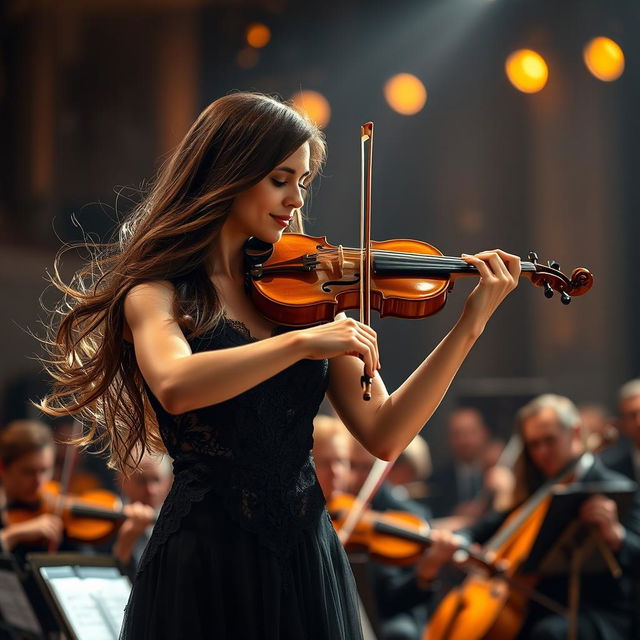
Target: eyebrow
x=293 y=171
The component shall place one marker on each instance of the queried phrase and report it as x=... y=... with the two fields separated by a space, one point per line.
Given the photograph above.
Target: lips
x=283 y=221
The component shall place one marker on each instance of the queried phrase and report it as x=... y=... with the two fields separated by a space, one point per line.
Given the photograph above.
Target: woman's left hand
x=499 y=275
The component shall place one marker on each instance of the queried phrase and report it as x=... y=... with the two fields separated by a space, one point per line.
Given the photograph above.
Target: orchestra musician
x=149 y=485
x=550 y=428
x=454 y=488
x=165 y=351
x=624 y=455
x=27 y=455
x=401 y=593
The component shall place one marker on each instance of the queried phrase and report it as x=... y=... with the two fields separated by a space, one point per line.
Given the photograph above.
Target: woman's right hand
x=343 y=336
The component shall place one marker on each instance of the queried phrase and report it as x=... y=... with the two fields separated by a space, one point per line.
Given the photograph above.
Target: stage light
x=314 y=105
x=604 y=58
x=405 y=93
x=258 y=35
x=527 y=71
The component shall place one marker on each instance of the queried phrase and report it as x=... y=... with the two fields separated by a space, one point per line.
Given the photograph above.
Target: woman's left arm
x=387 y=423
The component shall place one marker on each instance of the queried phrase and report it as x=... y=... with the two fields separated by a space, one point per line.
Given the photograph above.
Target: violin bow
x=68 y=467
x=380 y=468
x=366 y=134
x=372 y=483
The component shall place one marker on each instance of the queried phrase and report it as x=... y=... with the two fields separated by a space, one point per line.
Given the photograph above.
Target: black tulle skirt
x=212 y=579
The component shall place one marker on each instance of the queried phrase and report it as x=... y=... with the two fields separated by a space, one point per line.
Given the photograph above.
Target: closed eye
x=281 y=183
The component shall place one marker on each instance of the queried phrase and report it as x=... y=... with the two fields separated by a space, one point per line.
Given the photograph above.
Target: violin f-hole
x=340 y=283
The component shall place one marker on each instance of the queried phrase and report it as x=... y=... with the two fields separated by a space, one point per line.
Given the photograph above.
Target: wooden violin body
x=91 y=518
x=485 y=607
x=303 y=280
x=392 y=537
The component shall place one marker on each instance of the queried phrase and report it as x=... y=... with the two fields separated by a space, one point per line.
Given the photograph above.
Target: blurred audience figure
x=401 y=594
x=454 y=488
x=27 y=456
x=384 y=499
x=624 y=456
x=598 y=427
x=331 y=451
x=410 y=472
x=148 y=485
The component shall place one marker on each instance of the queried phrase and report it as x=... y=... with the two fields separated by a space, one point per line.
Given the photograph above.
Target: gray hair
x=565 y=410
x=628 y=390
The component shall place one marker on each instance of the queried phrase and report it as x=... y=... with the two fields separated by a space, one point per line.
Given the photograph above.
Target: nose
x=294 y=198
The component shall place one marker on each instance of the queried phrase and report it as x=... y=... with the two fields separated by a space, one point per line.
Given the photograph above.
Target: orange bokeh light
x=527 y=71
x=313 y=105
x=258 y=35
x=604 y=58
x=405 y=94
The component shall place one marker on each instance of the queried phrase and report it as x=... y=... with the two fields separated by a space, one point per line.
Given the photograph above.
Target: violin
x=303 y=280
x=392 y=537
x=90 y=518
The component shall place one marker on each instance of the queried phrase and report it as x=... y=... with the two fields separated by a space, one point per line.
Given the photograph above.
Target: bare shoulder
x=149 y=299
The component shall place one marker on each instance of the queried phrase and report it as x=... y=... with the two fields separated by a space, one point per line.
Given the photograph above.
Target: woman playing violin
x=161 y=348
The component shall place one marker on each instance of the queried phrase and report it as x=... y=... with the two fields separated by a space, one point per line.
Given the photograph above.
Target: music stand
x=17 y=613
x=87 y=594
x=567 y=546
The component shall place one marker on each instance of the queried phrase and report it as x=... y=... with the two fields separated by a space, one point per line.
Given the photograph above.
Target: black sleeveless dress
x=243 y=548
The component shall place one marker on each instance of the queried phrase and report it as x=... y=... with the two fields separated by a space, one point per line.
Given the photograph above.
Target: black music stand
x=567 y=546
x=18 y=616
x=87 y=593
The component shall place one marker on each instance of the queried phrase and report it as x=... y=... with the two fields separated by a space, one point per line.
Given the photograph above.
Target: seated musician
x=550 y=428
x=624 y=455
x=401 y=593
x=27 y=453
x=149 y=485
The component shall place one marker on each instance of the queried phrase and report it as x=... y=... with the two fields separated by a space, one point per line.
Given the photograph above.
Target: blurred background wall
x=95 y=93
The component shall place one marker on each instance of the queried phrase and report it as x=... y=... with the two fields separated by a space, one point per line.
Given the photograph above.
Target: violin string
x=418 y=256
x=403 y=259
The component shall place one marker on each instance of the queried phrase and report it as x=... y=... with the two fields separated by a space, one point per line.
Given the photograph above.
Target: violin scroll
x=551 y=279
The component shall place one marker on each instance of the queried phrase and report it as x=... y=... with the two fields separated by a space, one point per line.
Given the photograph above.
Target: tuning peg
x=532 y=256
x=548 y=291
x=565 y=297
x=553 y=264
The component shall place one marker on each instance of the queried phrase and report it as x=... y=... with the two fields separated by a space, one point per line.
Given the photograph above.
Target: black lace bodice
x=253 y=450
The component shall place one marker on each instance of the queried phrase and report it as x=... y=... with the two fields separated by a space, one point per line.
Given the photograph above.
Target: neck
x=226 y=254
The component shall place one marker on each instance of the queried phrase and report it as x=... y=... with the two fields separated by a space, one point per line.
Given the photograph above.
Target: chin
x=269 y=238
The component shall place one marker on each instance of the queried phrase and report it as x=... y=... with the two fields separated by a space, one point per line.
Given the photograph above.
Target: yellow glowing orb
x=604 y=58
x=258 y=35
x=405 y=94
x=527 y=71
x=314 y=106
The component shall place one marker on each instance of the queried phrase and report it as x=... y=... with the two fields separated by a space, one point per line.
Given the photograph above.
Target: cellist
x=550 y=429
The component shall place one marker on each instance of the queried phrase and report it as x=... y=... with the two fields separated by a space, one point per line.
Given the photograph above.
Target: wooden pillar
x=177 y=81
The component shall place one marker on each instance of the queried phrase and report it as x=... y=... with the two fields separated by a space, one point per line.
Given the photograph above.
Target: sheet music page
x=14 y=605
x=92 y=599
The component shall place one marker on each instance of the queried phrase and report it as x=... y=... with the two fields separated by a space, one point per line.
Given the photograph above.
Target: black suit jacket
x=607 y=601
x=444 y=492
x=619 y=457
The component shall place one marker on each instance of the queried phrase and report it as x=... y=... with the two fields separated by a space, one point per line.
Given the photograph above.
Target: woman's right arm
x=182 y=380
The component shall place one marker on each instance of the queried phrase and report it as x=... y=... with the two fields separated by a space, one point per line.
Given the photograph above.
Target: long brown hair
x=235 y=142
